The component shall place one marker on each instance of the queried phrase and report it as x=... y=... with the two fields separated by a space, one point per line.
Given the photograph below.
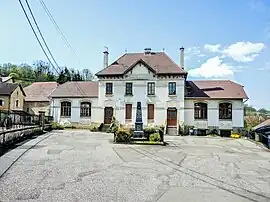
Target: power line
x=41 y=34
x=37 y=37
x=59 y=30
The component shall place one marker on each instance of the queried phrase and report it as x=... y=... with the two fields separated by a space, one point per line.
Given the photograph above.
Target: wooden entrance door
x=108 y=114
x=171 y=116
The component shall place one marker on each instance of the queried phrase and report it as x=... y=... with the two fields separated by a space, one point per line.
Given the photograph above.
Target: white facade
x=140 y=76
x=213 y=120
x=75 y=111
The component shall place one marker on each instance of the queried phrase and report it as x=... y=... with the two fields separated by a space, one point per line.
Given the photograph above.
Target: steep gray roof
x=8 y=88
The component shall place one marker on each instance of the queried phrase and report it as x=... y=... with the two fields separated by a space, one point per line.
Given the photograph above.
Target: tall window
x=200 y=110
x=17 y=103
x=85 y=109
x=109 y=88
x=150 y=111
x=151 y=88
x=225 y=111
x=129 y=89
x=128 y=111
x=66 y=109
x=1 y=102
x=172 y=88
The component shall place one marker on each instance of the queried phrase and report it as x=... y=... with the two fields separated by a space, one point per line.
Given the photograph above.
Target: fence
x=20 y=119
x=19 y=125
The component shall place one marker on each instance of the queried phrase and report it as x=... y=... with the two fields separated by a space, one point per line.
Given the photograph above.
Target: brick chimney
x=106 y=56
x=182 y=58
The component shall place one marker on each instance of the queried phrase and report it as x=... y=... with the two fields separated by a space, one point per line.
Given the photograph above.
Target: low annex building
x=37 y=97
x=161 y=85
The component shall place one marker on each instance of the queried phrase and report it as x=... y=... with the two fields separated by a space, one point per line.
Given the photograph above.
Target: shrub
x=122 y=135
x=93 y=128
x=155 y=137
x=57 y=126
x=150 y=130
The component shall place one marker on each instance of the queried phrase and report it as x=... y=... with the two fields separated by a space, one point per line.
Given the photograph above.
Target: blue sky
x=222 y=39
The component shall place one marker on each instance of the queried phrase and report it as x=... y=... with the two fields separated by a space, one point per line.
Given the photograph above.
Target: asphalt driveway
x=86 y=166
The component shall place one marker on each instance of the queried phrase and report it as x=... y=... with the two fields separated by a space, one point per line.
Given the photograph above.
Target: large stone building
x=161 y=85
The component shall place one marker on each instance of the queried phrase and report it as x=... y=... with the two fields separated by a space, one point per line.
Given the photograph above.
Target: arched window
x=225 y=111
x=200 y=110
x=66 y=109
x=85 y=109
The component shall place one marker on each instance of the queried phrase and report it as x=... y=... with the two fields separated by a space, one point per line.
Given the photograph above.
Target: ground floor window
x=85 y=109
x=200 y=110
x=225 y=111
x=66 y=109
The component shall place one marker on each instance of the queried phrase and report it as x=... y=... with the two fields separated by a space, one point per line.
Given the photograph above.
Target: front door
x=108 y=114
x=171 y=116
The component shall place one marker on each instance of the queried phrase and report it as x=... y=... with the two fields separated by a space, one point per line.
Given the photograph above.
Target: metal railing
x=20 y=119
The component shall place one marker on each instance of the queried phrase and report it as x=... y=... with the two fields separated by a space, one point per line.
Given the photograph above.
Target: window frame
x=129 y=89
x=151 y=88
x=109 y=88
x=172 y=88
x=200 y=111
x=65 y=111
x=228 y=111
x=128 y=107
x=85 y=111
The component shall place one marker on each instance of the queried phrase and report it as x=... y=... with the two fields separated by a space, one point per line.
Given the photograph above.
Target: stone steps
x=172 y=131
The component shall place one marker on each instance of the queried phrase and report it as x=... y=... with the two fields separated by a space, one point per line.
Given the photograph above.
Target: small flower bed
x=235 y=135
x=122 y=135
x=155 y=137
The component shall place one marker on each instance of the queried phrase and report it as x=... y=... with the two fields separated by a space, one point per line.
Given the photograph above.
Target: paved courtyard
x=86 y=166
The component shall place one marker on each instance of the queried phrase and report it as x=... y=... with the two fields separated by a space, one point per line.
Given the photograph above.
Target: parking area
x=86 y=166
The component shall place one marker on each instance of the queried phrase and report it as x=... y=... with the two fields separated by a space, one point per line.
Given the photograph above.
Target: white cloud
x=213 y=67
x=212 y=48
x=195 y=50
x=201 y=55
x=243 y=51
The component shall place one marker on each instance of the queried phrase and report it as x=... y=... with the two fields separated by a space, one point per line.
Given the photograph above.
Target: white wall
x=140 y=76
x=213 y=114
x=96 y=115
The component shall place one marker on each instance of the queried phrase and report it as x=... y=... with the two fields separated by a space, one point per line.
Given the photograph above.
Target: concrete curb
x=8 y=159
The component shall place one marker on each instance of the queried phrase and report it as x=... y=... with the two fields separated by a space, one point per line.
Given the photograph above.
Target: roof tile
x=76 y=89
x=39 y=91
x=215 y=89
x=159 y=61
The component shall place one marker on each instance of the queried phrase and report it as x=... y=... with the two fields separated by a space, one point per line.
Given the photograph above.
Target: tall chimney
x=182 y=58
x=106 y=55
